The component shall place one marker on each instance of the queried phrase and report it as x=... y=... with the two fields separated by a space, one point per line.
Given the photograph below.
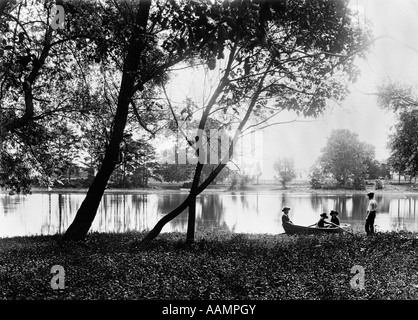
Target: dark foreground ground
x=217 y=266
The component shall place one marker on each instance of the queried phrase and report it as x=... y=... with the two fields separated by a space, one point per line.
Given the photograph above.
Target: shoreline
x=270 y=188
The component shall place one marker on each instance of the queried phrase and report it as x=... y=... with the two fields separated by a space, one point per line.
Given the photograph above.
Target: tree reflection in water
x=237 y=212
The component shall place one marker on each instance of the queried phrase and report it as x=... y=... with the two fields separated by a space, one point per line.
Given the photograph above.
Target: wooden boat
x=295 y=229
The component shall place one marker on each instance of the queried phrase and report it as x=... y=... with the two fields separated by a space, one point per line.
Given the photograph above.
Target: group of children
x=335 y=221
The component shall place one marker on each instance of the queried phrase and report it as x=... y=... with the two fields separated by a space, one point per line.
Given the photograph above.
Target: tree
x=129 y=84
x=136 y=164
x=159 y=36
x=289 y=55
x=377 y=169
x=346 y=158
x=273 y=55
x=317 y=176
x=60 y=153
x=403 y=142
x=27 y=77
x=239 y=181
x=16 y=173
x=285 y=169
x=129 y=41
x=42 y=73
x=257 y=171
x=171 y=172
x=397 y=97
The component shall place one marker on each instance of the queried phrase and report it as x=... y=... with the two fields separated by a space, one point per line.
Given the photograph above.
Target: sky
x=388 y=60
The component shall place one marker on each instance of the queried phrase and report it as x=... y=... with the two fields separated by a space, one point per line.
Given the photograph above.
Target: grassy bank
x=217 y=266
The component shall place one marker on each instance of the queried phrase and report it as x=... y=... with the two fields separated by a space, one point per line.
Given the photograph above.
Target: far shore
x=300 y=187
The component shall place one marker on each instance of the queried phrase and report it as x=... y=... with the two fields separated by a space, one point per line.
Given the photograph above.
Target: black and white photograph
x=208 y=157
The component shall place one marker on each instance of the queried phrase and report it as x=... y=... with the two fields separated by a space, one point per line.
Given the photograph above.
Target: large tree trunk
x=87 y=211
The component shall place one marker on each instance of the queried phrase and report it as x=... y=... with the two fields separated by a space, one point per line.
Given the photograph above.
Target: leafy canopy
x=345 y=157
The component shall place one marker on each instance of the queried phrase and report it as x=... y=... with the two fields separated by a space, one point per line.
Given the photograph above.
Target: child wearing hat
x=321 y=223
x=334 y=218
x=285 y=217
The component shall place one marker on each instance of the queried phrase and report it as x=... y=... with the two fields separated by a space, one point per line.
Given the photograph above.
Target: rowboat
x=295 y=229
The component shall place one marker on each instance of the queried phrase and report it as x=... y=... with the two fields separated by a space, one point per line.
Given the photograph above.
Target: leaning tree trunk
x=191 y=223
x=196 y=188
x=87 y=211
x=154 y=232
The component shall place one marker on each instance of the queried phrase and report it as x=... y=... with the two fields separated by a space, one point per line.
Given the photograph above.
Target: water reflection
x=237 y=212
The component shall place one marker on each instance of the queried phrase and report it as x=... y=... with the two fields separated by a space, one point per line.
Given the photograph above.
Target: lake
x=51 y=213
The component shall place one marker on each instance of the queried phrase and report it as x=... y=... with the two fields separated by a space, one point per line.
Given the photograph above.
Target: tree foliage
x=285 y=169
x=114 y=55
x=397 y=96
x=171 y=172
x=277 y=57
x=344 y=158
x=136 y=166
x=377 y=169
x=403 y=141
x=29 y=78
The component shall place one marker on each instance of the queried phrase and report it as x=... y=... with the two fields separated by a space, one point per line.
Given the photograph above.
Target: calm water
x=43 y=213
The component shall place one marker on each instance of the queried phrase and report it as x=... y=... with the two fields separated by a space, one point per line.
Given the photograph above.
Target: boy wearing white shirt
x=371 y=214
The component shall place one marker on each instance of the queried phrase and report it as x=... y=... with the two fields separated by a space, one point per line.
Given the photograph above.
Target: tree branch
x=138 y=117
x=189 y=142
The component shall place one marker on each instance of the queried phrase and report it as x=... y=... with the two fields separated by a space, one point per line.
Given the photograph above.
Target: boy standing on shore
x=371 y=214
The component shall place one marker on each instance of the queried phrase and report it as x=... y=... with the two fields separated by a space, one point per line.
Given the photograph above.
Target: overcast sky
x=388 y=60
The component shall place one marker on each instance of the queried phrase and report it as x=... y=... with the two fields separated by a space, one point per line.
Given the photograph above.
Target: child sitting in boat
x=285 y=217
x=334 y=218
x=321 y=223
